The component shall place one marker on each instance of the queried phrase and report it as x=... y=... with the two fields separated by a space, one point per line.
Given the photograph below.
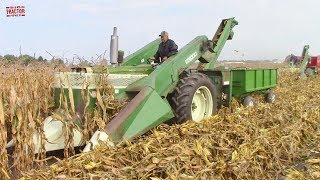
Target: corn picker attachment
x=186 y=86
x=305 y=59
x=309 y=65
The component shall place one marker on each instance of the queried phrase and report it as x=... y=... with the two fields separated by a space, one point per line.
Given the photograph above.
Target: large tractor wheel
x=194 y=98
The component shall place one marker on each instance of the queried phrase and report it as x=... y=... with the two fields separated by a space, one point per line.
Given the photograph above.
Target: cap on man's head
x=164 y=33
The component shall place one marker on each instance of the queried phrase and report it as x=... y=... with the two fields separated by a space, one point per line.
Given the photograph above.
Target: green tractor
x=186 y=86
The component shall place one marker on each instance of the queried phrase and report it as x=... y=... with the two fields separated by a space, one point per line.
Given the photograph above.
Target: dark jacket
x=168 y=49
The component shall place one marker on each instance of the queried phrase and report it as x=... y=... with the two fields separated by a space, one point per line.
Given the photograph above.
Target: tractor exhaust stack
x=114 y=45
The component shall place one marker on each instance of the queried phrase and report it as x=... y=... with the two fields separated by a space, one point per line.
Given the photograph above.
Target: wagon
x=242 y=83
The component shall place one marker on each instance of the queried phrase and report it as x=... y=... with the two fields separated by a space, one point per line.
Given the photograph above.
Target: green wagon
x=241 y=83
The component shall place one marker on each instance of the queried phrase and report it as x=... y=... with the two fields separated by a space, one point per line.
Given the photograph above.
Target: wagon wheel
x=194 y=98
x=270 y=97
x=248 y=101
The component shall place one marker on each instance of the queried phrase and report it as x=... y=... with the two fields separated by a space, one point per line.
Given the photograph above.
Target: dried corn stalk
x=26 y=99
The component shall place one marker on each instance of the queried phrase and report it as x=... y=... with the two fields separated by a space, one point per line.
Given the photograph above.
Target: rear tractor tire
x=270 y=97
x=248 y=101
x=194 y=98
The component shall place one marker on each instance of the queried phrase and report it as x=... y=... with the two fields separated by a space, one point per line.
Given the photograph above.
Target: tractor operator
x=166 y=48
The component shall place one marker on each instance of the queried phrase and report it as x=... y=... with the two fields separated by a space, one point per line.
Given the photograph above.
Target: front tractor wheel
x=195 y=98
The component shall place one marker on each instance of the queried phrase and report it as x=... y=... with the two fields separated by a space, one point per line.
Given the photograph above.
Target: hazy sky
x=267 y=29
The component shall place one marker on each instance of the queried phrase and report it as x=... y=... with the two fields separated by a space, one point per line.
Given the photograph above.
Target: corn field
x=26 y=99
x=269 y=141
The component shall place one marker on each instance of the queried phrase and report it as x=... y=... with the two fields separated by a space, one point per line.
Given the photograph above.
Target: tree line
x=25 y=59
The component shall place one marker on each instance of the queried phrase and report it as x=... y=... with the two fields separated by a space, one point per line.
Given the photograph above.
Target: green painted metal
x=139 y=69
x=79 y=102
x=142 y=55
x=165 y=77
x=145 y=111
x=83 y=87
x=305 y=60
x=245 y=81
x=221 y=36
x=239 y=83
x=148 y=105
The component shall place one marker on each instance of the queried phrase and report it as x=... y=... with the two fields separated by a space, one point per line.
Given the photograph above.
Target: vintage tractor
x=308 y=64
x=313 y=65
x=186 y=86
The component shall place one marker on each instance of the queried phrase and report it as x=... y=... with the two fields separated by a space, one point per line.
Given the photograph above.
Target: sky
x=268 y=29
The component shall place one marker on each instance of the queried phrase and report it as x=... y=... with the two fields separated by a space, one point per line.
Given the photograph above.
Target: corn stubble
x=277 y=141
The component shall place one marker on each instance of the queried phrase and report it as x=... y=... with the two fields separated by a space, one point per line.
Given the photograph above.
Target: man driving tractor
x=166 y=48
